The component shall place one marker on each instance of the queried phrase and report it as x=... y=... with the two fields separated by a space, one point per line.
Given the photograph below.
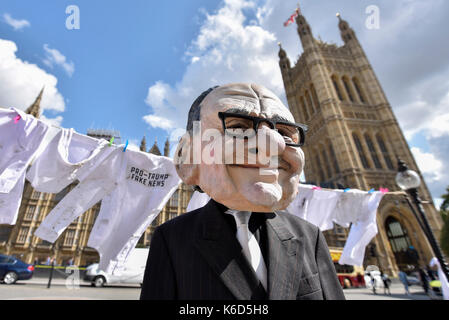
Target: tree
x=445 y=205
x=444 y=210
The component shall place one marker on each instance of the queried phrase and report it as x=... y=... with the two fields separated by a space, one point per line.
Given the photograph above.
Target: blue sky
x=118 y=52
x=136 y=66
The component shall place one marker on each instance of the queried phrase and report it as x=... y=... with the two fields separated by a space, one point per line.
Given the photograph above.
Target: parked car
x=132 y=273
x=13 y=269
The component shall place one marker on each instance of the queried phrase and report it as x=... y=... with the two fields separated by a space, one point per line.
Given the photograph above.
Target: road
x=396 y=289
x=36 y=289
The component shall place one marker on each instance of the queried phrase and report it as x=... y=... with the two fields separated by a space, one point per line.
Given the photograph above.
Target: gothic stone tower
x=354 y=139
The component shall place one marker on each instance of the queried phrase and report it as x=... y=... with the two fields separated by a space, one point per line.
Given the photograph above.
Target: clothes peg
x=383 y=190
x=316 y=188
x=111 y=141
x=347 y=189
x=371 y=191
x=17 y=118
x=126 y=146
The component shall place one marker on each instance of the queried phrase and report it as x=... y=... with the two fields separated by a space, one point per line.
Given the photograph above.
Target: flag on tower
x=292 y=18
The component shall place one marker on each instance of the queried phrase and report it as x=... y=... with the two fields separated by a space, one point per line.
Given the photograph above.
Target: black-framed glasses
x=245 y=126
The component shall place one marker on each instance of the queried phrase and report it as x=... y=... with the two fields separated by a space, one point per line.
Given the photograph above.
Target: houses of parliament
x=354 y=141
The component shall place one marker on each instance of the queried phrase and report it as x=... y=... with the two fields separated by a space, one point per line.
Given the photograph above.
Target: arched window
x=314 y=96
x=326 y=161
x=337 y=87
x=334 y=158
x=360 y=150
x=372 y=150
x=397 y=235
x=304 y=108
x=174 y=201
x=384 y=151
x=320 y=168
x=348 y=89
x=358 y=89
x=310 y=102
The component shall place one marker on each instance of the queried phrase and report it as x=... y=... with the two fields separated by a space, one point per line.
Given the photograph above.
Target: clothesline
x=400 y=192
x=133 y=186
x=325 y=207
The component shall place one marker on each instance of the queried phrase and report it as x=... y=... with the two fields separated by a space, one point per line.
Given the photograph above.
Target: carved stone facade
x=354 y=139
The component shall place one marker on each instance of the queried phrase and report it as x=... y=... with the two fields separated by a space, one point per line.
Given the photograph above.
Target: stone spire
x=347 y=34
x=167 y=148
x=304 y=31
x=155 y=149
x=143 y=144
x=284 y=62
x=35 y=108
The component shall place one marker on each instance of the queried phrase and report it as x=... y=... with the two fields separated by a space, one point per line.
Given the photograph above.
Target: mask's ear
x=183 y=159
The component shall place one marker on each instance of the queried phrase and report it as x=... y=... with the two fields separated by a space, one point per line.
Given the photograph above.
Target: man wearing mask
x=241 y=244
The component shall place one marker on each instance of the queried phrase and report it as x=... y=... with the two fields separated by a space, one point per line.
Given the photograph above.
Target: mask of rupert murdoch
x=242 y=148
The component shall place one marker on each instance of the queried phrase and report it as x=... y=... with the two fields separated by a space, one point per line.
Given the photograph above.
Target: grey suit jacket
x=197 y=256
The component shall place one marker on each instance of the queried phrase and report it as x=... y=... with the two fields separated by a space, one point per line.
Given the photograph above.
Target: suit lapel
x=222 y=251
x=285 y=260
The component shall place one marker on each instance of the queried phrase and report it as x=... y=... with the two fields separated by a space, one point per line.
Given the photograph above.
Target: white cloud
x=16 y=24
x=133 y=144
x=438 y=202
x=52 y=121
x=424 y=116
x=21 y=82
x=158 y=122
x=227 y=49
x=429 y=165
x=55 y=57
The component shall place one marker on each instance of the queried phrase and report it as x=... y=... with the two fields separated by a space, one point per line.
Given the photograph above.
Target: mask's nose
x=270 y=145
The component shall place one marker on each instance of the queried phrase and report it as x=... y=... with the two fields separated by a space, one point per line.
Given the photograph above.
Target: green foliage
x=444 y=210
x=444 y=239
x=445 y=205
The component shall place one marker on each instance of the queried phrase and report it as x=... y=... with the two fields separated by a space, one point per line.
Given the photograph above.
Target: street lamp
x=409 y=181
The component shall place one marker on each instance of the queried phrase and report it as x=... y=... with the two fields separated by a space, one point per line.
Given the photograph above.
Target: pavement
x=61 y=289
x=397 y=293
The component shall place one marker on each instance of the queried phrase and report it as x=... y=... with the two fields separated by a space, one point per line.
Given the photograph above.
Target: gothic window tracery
x=361 y=152
x=310 y=102
x=348 y=89
x=337 y=88
x=320 y=168
x=358 y=89
x=304 y=108
x=334 y=159
x=372 y=150
x=314 y=96
x=384 y=151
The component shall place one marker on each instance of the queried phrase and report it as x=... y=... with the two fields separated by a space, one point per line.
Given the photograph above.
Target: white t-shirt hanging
x=19 y=141
x=362 y=231
x=316 y=206
x=133 y=187
x=92 y=189
x=349 y=207
x=69 y=156
x=298 y=206
x=127 y=212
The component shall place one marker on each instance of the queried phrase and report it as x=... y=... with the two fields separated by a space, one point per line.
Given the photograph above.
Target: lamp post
x=409 y=181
